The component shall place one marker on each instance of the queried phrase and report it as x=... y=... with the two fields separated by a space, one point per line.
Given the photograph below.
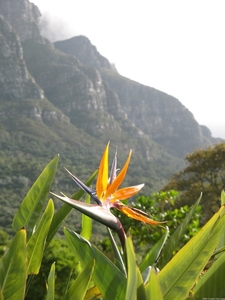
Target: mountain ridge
x=56 y=102
x=169 y=117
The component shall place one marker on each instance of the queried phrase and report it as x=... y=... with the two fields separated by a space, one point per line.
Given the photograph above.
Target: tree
x=205 y=173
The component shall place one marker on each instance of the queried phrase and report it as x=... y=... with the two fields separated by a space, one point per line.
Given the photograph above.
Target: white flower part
x=112 y=175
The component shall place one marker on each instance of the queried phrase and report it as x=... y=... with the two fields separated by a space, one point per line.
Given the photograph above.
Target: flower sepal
x=97 y=212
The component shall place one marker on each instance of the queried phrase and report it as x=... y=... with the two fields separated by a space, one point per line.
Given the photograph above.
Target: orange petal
x=135 y=215
x=127 y=192
x=102 y=179
x=119 y=179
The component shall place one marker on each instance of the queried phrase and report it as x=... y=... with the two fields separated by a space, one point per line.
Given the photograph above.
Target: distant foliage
x=4 y=240
x=205 y=173
x=161 y=207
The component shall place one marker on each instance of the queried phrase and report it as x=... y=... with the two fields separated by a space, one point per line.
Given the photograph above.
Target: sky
x=175 y=46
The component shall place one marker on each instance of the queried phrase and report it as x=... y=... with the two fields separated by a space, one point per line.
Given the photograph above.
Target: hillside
x=69 y=100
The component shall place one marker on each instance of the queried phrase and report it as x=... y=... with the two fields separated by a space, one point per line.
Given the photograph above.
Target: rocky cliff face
x=160 y=116
x=81 y=47
x=74 y=88
x=83 y=85
x=15 y=80
x=24 y=17
x=16 y=83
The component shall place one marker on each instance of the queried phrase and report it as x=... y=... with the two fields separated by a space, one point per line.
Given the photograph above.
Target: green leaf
x=13 y=269
x=51 y=284
x=93 y=293
x=79 y=287
x=32 y=205
x=153 y=289
x=119 y=261
x=180 y=274
x=212 y=284
x=64 y=210
x=107 y=277
x=153 y=254
x=36 y=244
x=222 y=198
x=222 y=239
x=173 y=241
x=141 y=295
x=86 y=223
x=131 y=290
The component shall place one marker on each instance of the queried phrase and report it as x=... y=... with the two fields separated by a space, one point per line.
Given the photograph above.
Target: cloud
x=55 y=28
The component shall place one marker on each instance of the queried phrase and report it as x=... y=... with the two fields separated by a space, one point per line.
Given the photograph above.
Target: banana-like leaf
x=32 y=205
x=79 y=287
x=141 y=295
x=153 y=289
x=222 y=239
x=107 y=277
x=86 y=222
x=212 y=284
x=222 y=197
x=153 y=254
x=179 y=276
x=173 y=241
x=131 y=290
x=51 y=284
x=119 y=261
x=36 y=244
x=13 y=269
x=93 y=293
x=64 y=210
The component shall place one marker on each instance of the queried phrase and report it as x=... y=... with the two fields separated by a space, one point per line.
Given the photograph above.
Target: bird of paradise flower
x=107 y=196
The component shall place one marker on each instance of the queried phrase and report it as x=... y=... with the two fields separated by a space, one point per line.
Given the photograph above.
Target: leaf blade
x=86 y=222
x=153 y=254
x=13 y=268
x=31 y=207
x=211 y=285
x=36 y=244
x=107 y=277
x=179 y=275
x=174 y=239
x=79 y=287
x=51 y=284
x=153 y=289
x=131 y=289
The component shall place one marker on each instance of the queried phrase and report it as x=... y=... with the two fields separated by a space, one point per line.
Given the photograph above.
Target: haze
x=175 y=46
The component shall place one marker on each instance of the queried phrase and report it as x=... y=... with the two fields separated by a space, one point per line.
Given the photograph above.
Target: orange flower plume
x=107 y=195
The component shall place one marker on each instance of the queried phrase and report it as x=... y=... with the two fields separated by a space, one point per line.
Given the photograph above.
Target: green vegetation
x=196 y=270
x=27 y=142
x=205 y=173
x=161 y=206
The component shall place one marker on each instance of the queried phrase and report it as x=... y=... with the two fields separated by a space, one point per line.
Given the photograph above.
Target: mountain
x=162 y=117
x=67 y=98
